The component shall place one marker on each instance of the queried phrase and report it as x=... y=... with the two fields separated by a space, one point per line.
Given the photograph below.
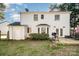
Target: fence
x=4 y=36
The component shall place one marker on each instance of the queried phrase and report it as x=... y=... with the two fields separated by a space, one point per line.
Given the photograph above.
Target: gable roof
x=47 y=12
x=15 y=23
x=3 y=21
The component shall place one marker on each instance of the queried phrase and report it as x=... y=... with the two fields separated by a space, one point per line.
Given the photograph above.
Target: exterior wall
x=27 y=18
x=17 y=32
x=4 y=28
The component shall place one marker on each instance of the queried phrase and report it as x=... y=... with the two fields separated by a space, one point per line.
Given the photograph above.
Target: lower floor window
x=47 y=30
x=28 y=30
x=38 y=30
x=43 y=30
x=57 y=31
x=61 y=32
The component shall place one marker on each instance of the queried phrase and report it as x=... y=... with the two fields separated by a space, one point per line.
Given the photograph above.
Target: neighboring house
x=41 y=22
x=4 y=27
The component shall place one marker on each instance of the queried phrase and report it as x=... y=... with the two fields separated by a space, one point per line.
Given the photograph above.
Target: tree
x=69 y=7
x=1 y=15
x=2 y=8
x=53 y=6
x=74 y=11
x=74 y=8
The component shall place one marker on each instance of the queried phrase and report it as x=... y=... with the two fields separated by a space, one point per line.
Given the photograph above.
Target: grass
x=35 y=48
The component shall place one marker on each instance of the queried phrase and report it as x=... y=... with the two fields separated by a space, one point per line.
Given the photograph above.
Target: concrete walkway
x=68 y=41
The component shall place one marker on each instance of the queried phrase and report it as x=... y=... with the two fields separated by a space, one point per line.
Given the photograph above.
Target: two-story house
x=41 y=22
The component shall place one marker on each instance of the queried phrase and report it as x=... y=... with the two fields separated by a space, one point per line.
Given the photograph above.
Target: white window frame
x=35 y=17
x=57 y=17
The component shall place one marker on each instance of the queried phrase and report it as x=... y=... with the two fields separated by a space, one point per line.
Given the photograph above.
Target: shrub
x=77 y=36
x=36 y=36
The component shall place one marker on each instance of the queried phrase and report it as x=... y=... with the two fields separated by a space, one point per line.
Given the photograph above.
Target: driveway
x=68 y=41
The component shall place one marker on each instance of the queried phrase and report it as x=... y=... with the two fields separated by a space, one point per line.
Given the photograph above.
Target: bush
x=36 y=36
x=77 y=36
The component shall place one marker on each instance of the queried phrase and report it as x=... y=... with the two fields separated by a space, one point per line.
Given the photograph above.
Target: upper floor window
x=42 y=16
x=35 y=17
x=57 y=17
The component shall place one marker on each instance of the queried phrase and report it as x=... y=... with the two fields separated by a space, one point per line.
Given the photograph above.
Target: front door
x=59 y=32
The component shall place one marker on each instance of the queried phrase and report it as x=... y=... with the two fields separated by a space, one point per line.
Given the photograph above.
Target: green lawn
x=35 y=48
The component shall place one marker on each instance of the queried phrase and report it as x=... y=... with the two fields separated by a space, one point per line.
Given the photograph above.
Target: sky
x=12 y=10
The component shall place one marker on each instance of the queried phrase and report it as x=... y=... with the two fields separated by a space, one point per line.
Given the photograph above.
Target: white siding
x=4 y=27
x=17 y=32
x=49 y=18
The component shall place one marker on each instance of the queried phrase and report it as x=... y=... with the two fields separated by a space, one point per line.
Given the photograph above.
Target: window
x=35 y=17
x=0 y=32
x=57 y=17
x=54 y=26
x=28 y=30
x=43 y=30
x=57 y=31
x=42 y=16
x=63 y=26
x=38 y=30
x=47 y=30
x=61 y=32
